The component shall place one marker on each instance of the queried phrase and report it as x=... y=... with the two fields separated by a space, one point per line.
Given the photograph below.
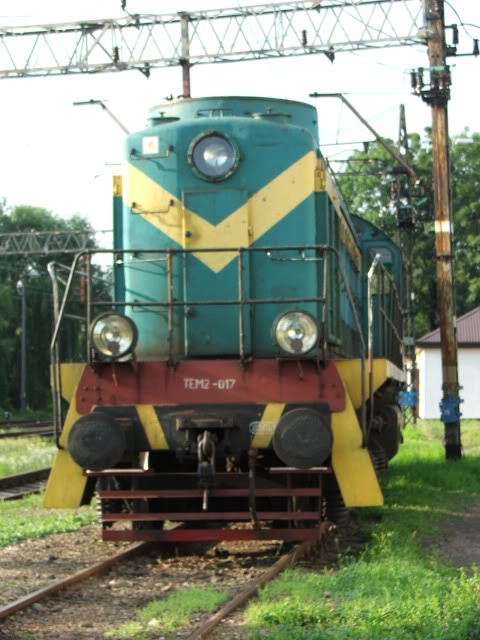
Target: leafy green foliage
x=396 y=589
x=32 y=271
x=169 y=614
x=26 y=518
x=371 y=197
x=25 y=454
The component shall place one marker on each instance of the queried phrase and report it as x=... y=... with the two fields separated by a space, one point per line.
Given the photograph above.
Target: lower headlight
x=113 y=335
x=296 y=332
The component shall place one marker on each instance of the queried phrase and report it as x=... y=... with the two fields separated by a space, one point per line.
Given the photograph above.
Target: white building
x=429 y=368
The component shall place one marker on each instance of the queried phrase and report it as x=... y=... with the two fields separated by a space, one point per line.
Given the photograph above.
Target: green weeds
x=396 y=589
x=26 y=518
x=25 y=454
x=169 y=614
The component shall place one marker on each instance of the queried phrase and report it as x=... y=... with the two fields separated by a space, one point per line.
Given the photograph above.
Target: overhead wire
x=461 y=23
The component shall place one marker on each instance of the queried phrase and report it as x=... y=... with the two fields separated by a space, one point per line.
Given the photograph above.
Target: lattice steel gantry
x=145 y=42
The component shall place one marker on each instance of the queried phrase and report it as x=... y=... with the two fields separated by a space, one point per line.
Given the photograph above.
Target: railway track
x=25 y=428
x=203 y=628
x=99 y=567
x=22 y=484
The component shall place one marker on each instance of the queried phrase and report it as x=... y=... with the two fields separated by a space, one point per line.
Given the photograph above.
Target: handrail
x=384 y=321
x=54 y=355
x=242 y=301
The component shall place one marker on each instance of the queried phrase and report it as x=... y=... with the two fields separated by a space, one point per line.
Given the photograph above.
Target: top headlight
x=213 y=156
x=296 y=332
x=113 y=335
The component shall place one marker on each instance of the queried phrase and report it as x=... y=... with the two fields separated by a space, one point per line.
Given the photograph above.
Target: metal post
x=185 y=59
x=23 y=360
x=438 y=97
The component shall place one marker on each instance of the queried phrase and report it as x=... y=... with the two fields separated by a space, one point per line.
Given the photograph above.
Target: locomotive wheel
x=385 y=431
x=334 y=506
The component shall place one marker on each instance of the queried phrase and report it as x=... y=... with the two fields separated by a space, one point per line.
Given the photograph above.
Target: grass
x=27 y=518
x=396 y=590
x=25 y=454
x=169 y=614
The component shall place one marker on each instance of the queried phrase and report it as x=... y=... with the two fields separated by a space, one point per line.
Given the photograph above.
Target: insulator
x=420 y=78
x=304 y=38
x=475 y=48
x=455 y=34
x=116 y=55
x=124 y=4
x=413 y=79
x=448 y=75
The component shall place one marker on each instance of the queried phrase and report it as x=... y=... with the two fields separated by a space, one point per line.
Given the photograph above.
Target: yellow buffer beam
x=350 y=371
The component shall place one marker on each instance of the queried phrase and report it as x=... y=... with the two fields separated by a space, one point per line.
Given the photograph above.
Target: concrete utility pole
x=437 y=96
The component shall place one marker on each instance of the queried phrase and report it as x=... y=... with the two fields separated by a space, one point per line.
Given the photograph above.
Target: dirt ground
x=459 y=539
x=84 y=612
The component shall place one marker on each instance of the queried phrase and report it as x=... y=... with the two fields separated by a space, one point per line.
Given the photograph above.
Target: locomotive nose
x=96 y=442
x=303 y=438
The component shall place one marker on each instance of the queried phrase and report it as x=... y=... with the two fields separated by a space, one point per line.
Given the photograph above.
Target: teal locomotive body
x=245 y=339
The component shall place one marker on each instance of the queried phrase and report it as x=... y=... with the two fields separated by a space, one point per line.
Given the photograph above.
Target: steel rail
x=83 y=574
x=26 y=433
x=251 y=590
x=9 y=484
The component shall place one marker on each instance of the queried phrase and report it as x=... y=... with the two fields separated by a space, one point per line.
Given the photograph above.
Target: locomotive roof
x=298 y=113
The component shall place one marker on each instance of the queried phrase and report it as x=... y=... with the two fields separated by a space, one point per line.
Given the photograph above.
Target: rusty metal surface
x=55 y=587
x=16 y=486
x=140 y=494
x=287 y=560
x=210 y=535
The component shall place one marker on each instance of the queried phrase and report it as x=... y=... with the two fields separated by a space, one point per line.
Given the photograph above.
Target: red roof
x=468 y=331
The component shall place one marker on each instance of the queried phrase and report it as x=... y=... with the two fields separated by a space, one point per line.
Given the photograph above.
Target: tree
x=371 y=196
x=32 y=271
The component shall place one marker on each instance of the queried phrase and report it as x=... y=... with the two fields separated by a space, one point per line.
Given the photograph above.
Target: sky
x=62 y=157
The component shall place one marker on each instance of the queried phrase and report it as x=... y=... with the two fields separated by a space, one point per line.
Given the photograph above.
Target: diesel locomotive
x=242 y=375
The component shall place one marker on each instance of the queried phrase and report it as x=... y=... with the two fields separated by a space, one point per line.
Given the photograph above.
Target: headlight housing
x=113 y=335
x=213 y=156
x=296 y=332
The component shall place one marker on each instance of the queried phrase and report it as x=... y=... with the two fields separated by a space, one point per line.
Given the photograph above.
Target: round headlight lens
x=113 y=335
x=296 y=332
x=213 y=156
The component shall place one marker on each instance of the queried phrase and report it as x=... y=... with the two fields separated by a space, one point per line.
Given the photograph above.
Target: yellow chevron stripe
x=267 y=425
x=152 y=426
x=263 y=210
x=323 y=182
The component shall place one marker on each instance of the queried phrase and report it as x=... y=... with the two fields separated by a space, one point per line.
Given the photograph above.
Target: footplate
x=289 y=504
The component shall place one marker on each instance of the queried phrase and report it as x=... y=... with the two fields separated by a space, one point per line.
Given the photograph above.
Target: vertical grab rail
x=241 y=322
x=387 y=323
x=170 y=305
x=370 y=275
x=54 y=355
x=55 y=361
